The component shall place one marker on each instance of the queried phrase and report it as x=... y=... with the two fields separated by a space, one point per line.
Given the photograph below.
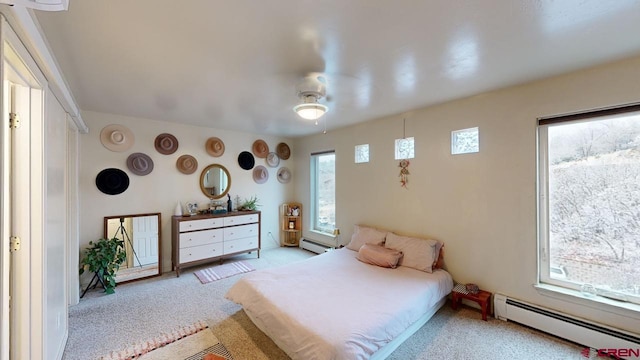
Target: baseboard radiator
x=573 y=329
x=313 y=246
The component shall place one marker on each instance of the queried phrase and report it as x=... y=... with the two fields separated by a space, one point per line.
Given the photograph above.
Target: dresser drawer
x=203 y=237
x=195 y=253
x=192 y=225
x=239 y=232
x=234 y=246
x=240 y=219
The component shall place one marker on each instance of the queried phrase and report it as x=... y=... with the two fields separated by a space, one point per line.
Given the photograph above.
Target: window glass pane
x=404 y=148
x=465 y=141
x=362 y=153
x=594 y=205
x=324 y=192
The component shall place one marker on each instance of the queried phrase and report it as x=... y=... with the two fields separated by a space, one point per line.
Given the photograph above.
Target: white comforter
x=333 y=306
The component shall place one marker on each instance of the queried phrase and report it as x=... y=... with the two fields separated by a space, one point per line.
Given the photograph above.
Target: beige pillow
x=365 y=235
x=379 y=256
x=420 y=254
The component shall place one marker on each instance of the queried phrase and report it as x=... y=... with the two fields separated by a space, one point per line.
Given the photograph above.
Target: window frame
x=314 y=213
x=545 y=281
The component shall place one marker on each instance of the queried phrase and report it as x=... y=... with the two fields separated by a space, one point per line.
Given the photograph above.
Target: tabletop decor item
x=116 y=137
x=260 y=148
x=249 y=204
x=140 y=164
x=214 y=147
x=112 y=181
x=187 y=164
x=166 y=144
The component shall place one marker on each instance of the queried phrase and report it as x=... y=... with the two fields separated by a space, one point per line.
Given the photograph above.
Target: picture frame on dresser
x=201 y=239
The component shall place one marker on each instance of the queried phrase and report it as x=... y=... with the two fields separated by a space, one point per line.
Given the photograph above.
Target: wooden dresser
x=201 y=239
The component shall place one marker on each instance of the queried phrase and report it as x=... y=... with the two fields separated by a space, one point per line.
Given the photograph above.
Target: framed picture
x=292 y=224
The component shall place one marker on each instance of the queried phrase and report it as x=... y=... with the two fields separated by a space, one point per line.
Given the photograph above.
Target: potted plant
x=250 y=204
x=104 y=258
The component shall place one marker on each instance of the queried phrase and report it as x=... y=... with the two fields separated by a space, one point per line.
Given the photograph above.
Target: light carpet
x=142 y=309
x=223 y=271
x=190 y=342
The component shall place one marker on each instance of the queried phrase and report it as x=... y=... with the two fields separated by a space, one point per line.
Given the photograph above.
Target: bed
x=333 y=306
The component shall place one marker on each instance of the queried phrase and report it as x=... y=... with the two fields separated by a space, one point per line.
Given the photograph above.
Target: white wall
x=160 y=190
x=483 y=205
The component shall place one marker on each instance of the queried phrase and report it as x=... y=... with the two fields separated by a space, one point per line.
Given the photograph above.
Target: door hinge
x=14 y=243
x=14 y=121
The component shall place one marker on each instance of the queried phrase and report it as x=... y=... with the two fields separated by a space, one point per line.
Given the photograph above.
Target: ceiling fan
x=310 y=90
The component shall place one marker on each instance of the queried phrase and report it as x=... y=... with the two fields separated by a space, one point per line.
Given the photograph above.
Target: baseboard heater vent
x=313 y=246
x=573 y=329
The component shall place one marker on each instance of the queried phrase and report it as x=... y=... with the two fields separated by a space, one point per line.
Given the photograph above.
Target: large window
x=323 y=191
x=589 y=205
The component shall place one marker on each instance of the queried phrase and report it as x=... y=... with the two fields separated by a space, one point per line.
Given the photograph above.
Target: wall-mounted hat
x=283 y=151
x=166 y=144
x=260 y=148
x=246 y=160
x=187 y=164
x=284 y=175
x=116 y=137
x=273 y=160
x=112 y=181
x=214 y=147
x=260 y=174
x=139 y=163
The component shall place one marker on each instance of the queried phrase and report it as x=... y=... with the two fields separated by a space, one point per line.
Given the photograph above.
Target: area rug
x=223 y=271
x=192 y=342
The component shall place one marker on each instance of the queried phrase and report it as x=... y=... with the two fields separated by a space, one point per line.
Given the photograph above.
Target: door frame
x=22 y=271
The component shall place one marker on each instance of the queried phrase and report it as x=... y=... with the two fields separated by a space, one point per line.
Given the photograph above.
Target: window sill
x=323 y=237
x=621 y=308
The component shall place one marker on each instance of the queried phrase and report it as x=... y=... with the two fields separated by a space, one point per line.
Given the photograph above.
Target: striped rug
x=223 y=271
x=193 y=342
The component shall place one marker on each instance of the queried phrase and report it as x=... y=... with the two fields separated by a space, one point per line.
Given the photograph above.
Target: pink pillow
x=420 y=254
x=365 y=235
x=379 y=256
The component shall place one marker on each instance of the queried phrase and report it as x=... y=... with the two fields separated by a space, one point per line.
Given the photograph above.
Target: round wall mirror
x=215 y=181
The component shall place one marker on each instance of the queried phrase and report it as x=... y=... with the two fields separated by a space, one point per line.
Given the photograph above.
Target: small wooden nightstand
x=483 y=298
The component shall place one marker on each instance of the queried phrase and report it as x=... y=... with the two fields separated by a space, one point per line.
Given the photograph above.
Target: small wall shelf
x=290 y=224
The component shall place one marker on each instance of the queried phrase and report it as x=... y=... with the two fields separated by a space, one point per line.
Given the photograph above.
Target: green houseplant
x=104 y=258
x=250 y=204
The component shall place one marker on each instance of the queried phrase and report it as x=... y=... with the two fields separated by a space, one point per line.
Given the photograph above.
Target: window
x=323 y=190
x=404 y=148
x=362 y=153
x=465 y=141
x=589 y=204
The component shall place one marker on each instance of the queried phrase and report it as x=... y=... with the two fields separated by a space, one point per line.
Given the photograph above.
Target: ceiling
x=235 y=64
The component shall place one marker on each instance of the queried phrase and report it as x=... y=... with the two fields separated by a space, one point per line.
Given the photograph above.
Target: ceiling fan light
x=310 y=111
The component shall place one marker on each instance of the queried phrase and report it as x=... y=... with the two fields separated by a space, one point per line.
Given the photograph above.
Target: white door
x=145 y=240
x=23 y=299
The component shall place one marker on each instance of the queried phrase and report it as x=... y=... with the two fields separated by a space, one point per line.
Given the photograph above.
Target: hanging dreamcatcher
x=404 y=172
